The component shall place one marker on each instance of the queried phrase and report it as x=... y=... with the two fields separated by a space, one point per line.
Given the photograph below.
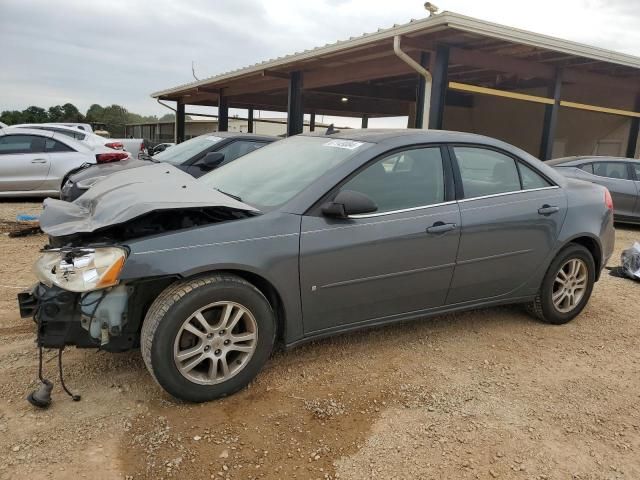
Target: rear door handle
x=441 y=227
x=548 y=209
x=39 y=160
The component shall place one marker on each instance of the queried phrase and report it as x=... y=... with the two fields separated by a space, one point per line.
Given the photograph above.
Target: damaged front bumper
x=96 y=319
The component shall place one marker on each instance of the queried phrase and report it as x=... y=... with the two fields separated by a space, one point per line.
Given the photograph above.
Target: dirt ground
x=484 y=394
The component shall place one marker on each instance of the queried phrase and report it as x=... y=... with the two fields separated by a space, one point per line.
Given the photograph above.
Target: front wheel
x=566 y=287
x=208 y=337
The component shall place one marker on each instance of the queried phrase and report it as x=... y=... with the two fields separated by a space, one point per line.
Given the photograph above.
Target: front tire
x=208 y=337
x=566 y=287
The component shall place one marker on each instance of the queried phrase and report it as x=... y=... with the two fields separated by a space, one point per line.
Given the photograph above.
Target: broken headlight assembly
x=81 y=269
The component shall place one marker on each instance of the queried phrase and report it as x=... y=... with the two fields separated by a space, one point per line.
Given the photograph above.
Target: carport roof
x=483 y=50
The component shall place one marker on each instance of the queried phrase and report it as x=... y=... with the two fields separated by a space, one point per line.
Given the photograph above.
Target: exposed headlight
x=81 y=269
x=89 y=182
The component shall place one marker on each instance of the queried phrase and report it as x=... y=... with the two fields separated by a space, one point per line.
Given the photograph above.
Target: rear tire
x=208 y=337
x=566 y=287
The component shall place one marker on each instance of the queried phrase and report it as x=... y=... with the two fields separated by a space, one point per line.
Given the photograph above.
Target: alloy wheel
x=570 y=285
x=215 y=343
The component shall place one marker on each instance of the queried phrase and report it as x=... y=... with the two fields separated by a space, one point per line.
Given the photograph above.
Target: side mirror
x=348 y=203
x=211 y=160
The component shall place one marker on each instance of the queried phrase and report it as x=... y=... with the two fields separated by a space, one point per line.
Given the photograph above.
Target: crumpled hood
x=128 y=194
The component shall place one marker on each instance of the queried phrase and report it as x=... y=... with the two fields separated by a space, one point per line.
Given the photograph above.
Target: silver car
x=36 y=162
x=308 y=237
x=620 y=175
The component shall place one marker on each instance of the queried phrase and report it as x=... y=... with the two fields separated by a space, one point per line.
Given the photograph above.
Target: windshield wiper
x=235 y=197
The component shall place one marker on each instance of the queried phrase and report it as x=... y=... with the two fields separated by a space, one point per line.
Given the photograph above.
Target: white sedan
x=36 y=162
x=89 y=138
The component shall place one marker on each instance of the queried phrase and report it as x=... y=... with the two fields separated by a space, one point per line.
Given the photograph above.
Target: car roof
x=380 y=135
x=61 y=137
x=580 y=159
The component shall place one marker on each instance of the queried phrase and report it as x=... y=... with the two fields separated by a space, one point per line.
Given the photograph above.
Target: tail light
x=115 y=145
x=608 y=201
x=142 y=147
x=111 y=157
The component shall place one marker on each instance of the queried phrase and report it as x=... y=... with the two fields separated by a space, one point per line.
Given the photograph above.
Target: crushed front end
x=78 y=300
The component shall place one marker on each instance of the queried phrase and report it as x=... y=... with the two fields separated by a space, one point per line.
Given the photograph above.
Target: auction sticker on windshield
x=348 y=144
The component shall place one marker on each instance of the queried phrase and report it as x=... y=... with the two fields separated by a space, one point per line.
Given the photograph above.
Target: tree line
x=112 y=118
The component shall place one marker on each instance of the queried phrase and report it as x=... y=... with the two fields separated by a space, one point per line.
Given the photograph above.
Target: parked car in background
x=90 y=139
x=85 y=127
x=620 y=175
x=196 y=156
x=161 y=147
x=308 y=237
x=36 y=161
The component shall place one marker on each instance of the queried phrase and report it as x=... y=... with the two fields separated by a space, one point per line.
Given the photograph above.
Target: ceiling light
x=344 y=99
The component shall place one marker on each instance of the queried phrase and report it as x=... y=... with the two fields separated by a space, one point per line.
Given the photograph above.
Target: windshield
x=178 y=154
x=274 y=174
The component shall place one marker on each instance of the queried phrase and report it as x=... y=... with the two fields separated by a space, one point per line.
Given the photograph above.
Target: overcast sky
x=120 y=51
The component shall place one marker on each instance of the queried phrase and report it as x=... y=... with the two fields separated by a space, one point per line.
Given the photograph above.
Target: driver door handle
x=548 y=209
x=441 y=227
x=39 y=160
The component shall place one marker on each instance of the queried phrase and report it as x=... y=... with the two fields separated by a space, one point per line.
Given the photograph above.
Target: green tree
x=56 y=113
x=115 y=117
x=168 y=117
x=71 y=114
x=94 y=114
x=35 y=115
x=12 y=117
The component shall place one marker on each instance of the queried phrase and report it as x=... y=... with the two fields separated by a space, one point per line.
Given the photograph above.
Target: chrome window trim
x=391 y=212
x=554 y=187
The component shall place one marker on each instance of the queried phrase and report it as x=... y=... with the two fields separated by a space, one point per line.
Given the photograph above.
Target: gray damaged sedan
x=308 y=237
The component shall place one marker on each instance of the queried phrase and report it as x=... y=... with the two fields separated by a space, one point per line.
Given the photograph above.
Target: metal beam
x=551 y=119
x=295 y=111
x=634 y=128
x=312 y=122
x=439 y=71
x=420 y=93
x=180 y=118
x=463 y=87
x=223 y=114
x=250 y=121
x=365 y=121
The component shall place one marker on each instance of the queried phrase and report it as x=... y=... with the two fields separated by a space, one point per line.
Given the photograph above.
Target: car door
x=635 y=170
x=511 y=216
x=617 y=177
x=24 y=165
x=231 y=151
x=397 y=260
x=63 y=159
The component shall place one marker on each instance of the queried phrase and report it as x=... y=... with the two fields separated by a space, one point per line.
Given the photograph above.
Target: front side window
x=272 y=175
x=486 y=172
x=617 y=170
x=178 y=154
x=238 y=149
x=407 y=179
x=12 y=144
x=587 y=167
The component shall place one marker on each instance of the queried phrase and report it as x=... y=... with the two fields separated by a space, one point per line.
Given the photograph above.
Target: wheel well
x=270 y=293
x=593 y=247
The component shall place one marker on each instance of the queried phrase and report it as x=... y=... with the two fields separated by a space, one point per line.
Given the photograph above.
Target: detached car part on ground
x=308 y=237
x=621 y=176
x=196 y=156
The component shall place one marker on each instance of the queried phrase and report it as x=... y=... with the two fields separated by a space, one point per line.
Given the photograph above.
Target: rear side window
x=11 y=144
x=617 y=170
x=53 y=146
x=486 y=172
x=531 y=179
x=407 y=179
x=587 y=167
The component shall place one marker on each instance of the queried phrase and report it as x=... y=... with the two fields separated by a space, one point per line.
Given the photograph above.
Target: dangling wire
x=75 y=397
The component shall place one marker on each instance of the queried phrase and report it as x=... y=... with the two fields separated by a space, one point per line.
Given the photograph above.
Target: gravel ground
x=484 y=394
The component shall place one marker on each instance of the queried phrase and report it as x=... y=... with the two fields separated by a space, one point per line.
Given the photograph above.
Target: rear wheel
x=566 y=287
x=208 y=337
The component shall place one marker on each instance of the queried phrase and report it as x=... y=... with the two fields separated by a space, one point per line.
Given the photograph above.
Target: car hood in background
x=103 y=169
x=129 y=194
